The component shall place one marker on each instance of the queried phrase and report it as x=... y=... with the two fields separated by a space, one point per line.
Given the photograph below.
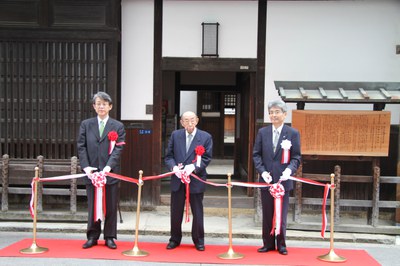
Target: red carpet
x=185 y=253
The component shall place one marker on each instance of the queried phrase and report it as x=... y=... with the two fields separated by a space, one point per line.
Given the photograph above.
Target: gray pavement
x=154 y=227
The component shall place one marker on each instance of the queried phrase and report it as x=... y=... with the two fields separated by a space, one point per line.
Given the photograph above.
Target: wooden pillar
x=338 y=172
x=375 y=197
x=73 y=190
x=298 y=197
x=5 y=176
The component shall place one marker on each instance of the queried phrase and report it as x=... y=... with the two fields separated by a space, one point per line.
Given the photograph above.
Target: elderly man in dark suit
x=181 y=157
x=273 y=142
x=100 y=143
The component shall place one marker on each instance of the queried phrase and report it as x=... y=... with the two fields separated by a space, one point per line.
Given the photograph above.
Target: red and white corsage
x=199 y=150
x=286 y=145
x=113 y=137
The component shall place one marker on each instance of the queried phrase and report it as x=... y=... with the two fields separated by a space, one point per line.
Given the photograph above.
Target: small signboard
x=349 y=133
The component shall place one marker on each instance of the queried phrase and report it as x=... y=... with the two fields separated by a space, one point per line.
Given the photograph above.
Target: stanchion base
x=34 y=249
x=135 y=252
x=332 y=257
x=230 y=255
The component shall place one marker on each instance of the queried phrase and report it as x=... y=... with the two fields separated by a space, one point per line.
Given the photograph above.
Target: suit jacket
x=176 y=154
x=266 y=160
x=93 y=150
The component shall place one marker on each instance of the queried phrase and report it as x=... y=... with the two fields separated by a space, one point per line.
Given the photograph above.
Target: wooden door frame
x=161 y=64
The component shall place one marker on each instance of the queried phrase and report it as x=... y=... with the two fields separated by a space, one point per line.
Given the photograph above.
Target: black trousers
x=110 y=221
x=177 y=214
x=268 y=208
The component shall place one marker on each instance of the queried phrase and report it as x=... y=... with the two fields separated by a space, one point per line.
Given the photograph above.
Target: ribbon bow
x=99 y=180
x=277 y=191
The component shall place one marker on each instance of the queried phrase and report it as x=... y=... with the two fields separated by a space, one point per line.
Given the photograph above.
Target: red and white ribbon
x=198 y=162
x=99 y=180
x=277 y=191
x=113 y=137
x=327 y=187
x=186 y=180
x=286 y=145
x=48 y=179
x=112 y=145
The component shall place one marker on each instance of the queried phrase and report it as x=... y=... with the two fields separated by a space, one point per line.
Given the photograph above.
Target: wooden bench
x=17 y=176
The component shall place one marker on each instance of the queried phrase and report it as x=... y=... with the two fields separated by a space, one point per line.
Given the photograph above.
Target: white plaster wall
x=137 y=40
x=182 y=30
x=306 y=41
x=333 y=41
x=190 y=102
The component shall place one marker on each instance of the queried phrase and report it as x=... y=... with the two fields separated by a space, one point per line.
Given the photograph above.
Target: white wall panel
x=182 y=30
x=333 y=41
x=137 y=59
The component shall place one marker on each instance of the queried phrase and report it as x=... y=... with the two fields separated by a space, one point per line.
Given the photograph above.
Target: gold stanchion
x=230 y=254
x=331 y=256
x=34 y=249
x=136 y=252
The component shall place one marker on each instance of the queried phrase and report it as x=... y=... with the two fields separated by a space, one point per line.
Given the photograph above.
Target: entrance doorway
x=224 y=100
x=217 y=115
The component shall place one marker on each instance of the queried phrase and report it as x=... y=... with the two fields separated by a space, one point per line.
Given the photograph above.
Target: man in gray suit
x=276 y=156
x=181 y=154
x=100 y=143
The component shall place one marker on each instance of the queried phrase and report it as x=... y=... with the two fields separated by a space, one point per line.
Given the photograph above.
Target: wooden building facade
x=55 y=54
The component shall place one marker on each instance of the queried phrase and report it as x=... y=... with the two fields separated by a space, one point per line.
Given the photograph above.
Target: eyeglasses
x=187 y=121
x=277 y=112
x=102 y=104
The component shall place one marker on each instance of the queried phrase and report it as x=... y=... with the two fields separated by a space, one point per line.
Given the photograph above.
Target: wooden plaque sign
x=351 y=133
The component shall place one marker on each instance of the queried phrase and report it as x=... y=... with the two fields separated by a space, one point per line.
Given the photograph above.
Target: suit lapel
x=195 y=140
x=107 y=129
x=282 y=137
x=182 y=140
x=270 y=149
x=94 y=126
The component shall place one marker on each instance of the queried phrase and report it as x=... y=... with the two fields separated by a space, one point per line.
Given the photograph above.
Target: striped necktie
x=101 y=128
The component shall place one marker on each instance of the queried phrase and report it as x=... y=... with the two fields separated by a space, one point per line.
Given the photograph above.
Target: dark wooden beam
x=209 y=64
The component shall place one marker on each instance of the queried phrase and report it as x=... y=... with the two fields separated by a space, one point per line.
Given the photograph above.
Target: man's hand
x=267 y=177
x=177 y=171
x=88 y=170
x=189 y=169
x=285 y=174
x=107 y=169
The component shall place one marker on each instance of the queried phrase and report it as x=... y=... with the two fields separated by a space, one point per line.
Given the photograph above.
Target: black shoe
x=264 y=249
x=90 y=243
x=110 y=243
x=199 y=247
x=172 y=245
x=283 y=251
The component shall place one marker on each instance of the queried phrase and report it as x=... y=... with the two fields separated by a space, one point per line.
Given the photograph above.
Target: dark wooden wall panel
x=73 y=14
x=136 y=156
x=54 y=55
x=20 y=13
x=70 y=13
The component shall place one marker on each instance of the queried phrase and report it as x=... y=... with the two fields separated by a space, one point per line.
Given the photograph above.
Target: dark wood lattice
x=45 y=92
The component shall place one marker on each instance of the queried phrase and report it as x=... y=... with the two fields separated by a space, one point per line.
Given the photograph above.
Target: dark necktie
x=188 y=141
x=276 y=139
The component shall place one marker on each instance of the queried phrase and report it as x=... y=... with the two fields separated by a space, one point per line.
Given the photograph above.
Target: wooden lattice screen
x=45 y=92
